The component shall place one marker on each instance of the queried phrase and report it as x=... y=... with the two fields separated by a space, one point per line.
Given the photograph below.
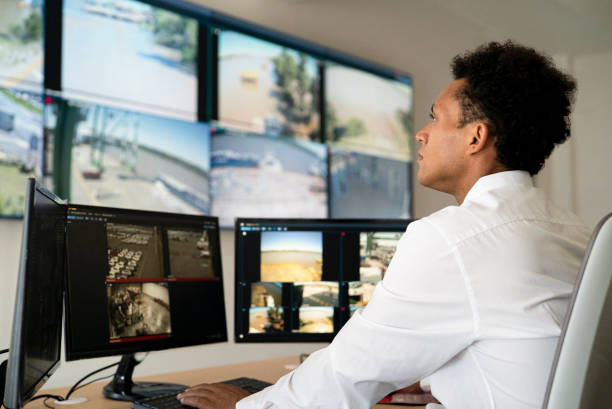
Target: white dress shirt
x=474 y=298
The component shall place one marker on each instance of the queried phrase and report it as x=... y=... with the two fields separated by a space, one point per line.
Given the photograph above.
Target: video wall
x=133 y=105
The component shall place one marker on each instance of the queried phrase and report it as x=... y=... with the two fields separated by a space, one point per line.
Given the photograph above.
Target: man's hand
x=212 y=396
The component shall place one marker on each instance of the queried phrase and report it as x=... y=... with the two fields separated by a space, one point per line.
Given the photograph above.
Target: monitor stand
x=123 y=388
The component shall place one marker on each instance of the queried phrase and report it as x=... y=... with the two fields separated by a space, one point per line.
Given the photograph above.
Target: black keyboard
x=169 y=401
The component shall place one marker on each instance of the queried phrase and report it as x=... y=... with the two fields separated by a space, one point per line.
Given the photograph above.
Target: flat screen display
x=141 y=281
x=264 y=176
x=132 y=160
x=368 y=113
x=21 y=44
x=268 y=89
x=132 y=54
x=20 y=147
x=302 y=280
x=384 y=181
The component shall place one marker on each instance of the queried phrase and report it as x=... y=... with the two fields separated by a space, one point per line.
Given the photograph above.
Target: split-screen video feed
x=367 y=113
x=20 y=145
x=289 y=256
x=384 y=181
x=190 y=254
x=21 y=44
x=376 y=249
x=321 y=294
x=266 y=294
x=360 y=293
x=266 y=320
x=268 y=89
x=131 y=160
x=134 y=251
x=138 y=54
x=262 y=176
x=138 y=309
x=316 y=320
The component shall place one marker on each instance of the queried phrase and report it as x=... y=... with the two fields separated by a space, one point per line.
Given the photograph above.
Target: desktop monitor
x=36 y=337
x=140 y=281
x=300 y=280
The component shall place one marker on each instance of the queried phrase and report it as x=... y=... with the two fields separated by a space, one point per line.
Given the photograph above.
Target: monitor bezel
x=137 y=346
x=291 y=337
x=14 y=396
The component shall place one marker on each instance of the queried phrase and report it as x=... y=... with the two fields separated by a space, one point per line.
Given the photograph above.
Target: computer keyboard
x=169 y=401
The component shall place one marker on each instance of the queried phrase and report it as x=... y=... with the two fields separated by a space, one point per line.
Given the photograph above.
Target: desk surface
x=268 y=370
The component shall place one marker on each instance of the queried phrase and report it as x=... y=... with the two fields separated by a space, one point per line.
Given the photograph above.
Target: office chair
x=581 y=375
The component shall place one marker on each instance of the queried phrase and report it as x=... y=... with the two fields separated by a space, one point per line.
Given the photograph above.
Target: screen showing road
x=21 y=44
x=132 y=54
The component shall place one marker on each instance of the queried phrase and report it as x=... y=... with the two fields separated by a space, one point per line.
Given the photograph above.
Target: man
x=476 y=293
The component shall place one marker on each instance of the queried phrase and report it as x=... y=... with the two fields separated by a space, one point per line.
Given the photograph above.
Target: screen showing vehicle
x=268 y=89
x=132 y=160
x=368 y=113
x=20 y=147
x=132 y=54
x=384 y=181
x=141 y=281
x=301 y=280
x=263 y=176
x=21 y=44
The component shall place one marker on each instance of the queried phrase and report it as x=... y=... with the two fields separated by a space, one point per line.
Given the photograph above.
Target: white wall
x=420 y=37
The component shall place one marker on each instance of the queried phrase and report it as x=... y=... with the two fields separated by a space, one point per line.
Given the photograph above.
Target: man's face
x=442 y=158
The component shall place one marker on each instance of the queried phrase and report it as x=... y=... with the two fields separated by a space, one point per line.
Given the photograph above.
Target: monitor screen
x=37 y=321
x=386 y=182
x=20 y=146
x=368 y=113
x=266 y=88
x=21 y=44
x=141 y=281
x=301 y=280
x=132 y=54
x=263 y=176
x=131 y=160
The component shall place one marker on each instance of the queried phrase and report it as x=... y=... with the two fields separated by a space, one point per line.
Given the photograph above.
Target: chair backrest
x=581 y=375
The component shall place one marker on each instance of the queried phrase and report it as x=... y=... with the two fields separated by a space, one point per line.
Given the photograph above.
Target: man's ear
x=479 y=137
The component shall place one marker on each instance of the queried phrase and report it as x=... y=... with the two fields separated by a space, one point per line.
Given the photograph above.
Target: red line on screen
x=140 y=338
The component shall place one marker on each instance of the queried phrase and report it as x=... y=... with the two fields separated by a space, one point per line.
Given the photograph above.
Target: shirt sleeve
x=419 y=317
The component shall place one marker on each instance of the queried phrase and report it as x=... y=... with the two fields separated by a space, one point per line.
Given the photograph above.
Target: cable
x=56 y=397
x=4 y=351
x=75 y=386
x=47 y=405
x=90 y=382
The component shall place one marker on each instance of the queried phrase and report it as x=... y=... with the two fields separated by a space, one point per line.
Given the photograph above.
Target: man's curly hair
x=524 y=99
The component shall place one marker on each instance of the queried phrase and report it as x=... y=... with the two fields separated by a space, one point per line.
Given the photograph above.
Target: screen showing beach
x=21 y=44
x=316 y=320
x=128 y=52
x=263 y=176
x=20 y=147
x=267 y=88
x=289 y=256
x=367 y=113
x=131 y=160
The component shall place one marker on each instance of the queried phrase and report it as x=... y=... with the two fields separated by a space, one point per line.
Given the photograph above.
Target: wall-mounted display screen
x=301 y=280
x=385 y=182
x=264 y=176
x=268 y=89
x=131 y=160
x=20 y=147
x=131 y=54
x=21 y=44
x=368 y=113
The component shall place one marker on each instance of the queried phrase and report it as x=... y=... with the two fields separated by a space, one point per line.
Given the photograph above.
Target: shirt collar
x=498 y=180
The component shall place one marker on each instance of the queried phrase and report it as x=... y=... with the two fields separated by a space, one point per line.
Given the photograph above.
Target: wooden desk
x=269 y=370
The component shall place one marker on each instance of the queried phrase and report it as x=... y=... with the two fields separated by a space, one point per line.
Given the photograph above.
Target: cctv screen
x=140 y=281
x=301 y=280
